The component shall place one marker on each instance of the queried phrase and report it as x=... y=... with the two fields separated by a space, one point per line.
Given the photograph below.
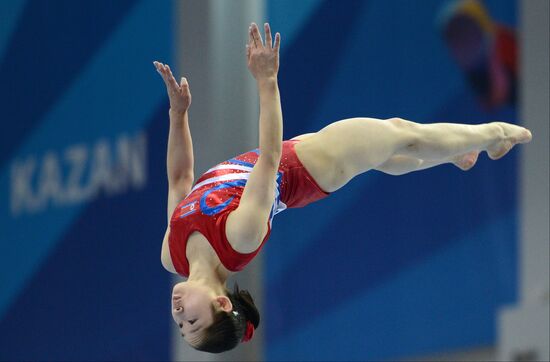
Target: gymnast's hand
x=263 y=60
x=179 y=94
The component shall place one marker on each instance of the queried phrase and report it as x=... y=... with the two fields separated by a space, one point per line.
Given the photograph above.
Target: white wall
x=524 y=328
x=535 y=111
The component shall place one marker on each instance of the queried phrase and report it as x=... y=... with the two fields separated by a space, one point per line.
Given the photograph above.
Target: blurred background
x=434 y=265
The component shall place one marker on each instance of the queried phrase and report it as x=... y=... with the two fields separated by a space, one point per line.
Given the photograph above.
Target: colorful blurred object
x=485 y=50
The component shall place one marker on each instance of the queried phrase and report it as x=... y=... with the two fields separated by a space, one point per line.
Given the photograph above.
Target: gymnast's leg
x=346 y=148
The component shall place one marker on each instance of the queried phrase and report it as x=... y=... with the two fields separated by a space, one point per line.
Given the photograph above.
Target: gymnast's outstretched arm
x=248 y=223
x=263 y=63
x=179 y=157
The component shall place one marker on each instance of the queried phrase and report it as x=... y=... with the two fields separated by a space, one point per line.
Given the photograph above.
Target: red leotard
x=218 y=192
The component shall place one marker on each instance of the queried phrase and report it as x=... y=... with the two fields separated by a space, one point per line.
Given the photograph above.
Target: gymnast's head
x=213 y=322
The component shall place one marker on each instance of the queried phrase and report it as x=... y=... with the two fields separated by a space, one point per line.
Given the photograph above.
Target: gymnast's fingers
x=256 y=36
x=277 y=42
x=267 y=30
x=171 y=80
x=250 y=37
x=184 y=85
x=161 y=70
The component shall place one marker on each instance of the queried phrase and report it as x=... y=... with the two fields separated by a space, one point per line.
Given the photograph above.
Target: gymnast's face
x=192 y=308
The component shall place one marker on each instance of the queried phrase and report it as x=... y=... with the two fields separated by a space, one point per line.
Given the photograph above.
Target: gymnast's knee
x=408 y=134
x=401 y=123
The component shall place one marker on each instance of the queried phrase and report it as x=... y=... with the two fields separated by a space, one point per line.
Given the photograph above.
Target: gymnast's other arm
x=248 y=223
x=179 y=157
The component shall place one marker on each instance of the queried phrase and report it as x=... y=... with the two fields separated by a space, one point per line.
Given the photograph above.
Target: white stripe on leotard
x=227 y=177
x=230 y=167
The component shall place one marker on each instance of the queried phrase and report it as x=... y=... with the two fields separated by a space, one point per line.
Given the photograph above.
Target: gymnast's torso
x=204 y=212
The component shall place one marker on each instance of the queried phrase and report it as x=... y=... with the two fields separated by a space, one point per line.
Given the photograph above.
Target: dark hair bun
x=245 y=304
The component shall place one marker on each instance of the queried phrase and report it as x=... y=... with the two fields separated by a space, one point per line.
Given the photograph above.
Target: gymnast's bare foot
x=466 y=161
x=511 y=135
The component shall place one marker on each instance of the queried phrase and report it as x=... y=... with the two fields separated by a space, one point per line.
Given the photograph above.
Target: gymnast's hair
x=229 y=328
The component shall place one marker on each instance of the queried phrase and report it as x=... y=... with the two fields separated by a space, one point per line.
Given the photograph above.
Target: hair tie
x=249 y=332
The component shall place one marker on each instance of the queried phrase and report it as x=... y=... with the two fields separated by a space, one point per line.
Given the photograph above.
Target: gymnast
x=217 y=225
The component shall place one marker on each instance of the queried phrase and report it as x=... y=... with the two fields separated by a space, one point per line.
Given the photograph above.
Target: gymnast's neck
x=209 y=272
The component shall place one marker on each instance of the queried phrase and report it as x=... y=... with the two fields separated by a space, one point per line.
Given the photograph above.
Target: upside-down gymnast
x=217 y=225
